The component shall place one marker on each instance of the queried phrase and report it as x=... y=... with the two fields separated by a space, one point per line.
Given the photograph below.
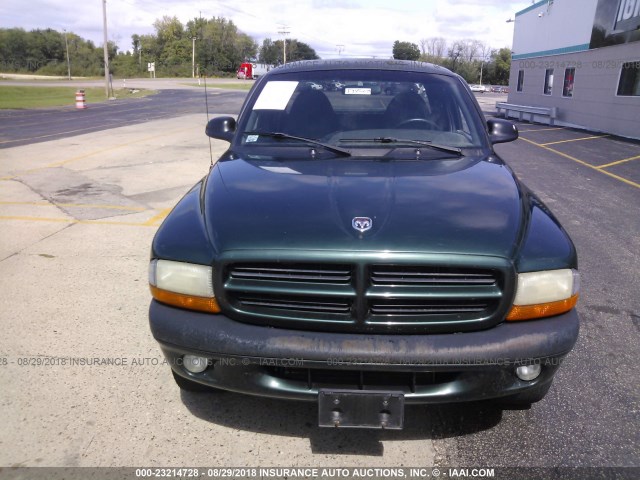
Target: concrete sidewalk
x=81 y=378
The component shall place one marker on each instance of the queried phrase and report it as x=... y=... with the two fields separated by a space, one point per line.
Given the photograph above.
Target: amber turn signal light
x=542 y=310
x=201 y=304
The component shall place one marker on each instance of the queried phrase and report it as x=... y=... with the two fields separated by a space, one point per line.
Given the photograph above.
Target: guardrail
x=551 y=112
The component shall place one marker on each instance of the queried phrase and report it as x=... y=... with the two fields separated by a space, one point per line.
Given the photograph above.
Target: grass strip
x=26 y=97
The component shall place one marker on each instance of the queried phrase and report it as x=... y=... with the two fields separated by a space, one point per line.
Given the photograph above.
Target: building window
x=629 y=85
x=520 y=80
x=569 y=76
x=548 y=81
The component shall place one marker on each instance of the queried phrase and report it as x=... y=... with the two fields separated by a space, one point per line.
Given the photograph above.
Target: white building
x=582 y=57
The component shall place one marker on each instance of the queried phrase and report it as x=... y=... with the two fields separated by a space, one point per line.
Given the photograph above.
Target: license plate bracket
x=361 y=409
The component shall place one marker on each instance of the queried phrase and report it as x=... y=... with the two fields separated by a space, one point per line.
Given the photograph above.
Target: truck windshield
x=336 y=106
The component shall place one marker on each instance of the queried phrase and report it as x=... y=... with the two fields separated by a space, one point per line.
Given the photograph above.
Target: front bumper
x=438 y=368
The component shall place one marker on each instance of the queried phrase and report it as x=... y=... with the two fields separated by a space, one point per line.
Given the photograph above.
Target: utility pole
x=66 y=44
x=284 y=31
x=193 y=57
x=106 y=49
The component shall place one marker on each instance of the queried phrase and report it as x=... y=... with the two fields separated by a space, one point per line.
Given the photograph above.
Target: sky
x=346 y=28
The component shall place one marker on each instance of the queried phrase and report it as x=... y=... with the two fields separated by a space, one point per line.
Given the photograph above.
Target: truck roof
x=361 y=64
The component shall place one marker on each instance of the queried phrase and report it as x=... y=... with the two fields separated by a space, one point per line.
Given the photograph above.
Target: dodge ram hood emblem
x=362 y=224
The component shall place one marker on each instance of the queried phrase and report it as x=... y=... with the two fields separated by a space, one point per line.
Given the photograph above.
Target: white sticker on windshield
x=252 y=138
x=357 y=91
x=275 y=96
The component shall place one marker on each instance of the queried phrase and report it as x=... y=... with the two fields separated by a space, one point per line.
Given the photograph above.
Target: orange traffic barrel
x=80 y=102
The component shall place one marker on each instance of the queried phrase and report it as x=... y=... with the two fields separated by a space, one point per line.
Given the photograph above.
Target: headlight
x=184 y=285
x=544 y=294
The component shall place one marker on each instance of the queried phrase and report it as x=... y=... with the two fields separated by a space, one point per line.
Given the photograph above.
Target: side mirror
x=222 y=128
x=501 y=131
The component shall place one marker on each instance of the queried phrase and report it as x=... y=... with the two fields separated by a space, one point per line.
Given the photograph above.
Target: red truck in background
x=251 y=71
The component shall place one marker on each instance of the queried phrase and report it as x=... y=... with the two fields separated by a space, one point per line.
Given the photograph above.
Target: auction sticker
x=357 y=91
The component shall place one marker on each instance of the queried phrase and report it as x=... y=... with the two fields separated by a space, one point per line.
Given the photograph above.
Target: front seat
x=405 y=106
x=311 y=116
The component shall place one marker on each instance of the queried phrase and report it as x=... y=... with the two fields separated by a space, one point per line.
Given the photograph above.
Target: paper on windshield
x=357 y=91
x=275 y=96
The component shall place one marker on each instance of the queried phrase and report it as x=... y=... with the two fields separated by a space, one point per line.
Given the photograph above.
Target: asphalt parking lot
x=24 y=127
x=77 y=216
x=617 y=158
x=591 y=182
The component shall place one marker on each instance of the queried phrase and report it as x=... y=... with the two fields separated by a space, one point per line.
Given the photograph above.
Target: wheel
x=191 y=386
x=526 y=398
x=418 y=121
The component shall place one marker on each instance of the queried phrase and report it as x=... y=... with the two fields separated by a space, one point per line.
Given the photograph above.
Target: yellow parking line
x=156 y=218
x=72 y=221
x=597 y=169
x=619 y=162
x=575 y=140
x=77 y=205
x=541 y=129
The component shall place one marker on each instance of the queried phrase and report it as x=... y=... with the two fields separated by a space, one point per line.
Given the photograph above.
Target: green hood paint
x=467 y=205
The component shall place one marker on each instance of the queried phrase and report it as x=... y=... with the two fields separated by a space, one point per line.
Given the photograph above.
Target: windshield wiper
x=286 y=136
x=422 y=143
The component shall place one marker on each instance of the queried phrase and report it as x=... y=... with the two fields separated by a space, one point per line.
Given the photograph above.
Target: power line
x=106 y=48
x=301 y=34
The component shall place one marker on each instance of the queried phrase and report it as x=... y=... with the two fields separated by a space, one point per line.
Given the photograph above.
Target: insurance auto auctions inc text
x=346 y=473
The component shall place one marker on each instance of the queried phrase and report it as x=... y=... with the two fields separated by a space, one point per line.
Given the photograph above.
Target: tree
x=268 y=52
x=220 y=48
x=454 y=54
x=272 y=52
x=173 y=48
x=135 y=43
x=13 y=49
x=434 y=47
x=500 y=66
x=485 y=51
x=168 y=29
x=126 y=65
x=469 y=58
x=405 y=51
x=471 y=49
x=297 y=50
x=150 y=50
x=44 y=52
x=245 y=46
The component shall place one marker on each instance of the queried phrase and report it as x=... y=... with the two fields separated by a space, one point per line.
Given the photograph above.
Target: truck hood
x=468 y=205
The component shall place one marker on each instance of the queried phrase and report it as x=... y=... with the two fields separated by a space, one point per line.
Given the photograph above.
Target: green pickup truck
x=363 y=248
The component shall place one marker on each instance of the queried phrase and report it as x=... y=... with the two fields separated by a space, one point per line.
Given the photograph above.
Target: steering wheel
x=418 y=121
